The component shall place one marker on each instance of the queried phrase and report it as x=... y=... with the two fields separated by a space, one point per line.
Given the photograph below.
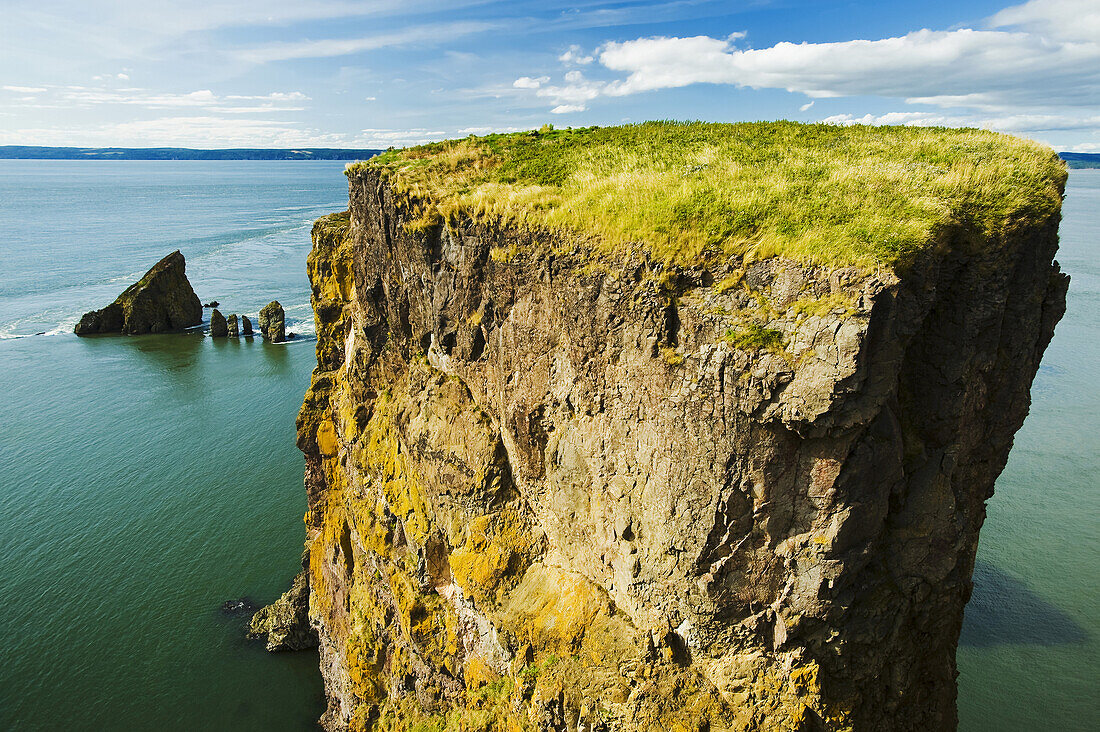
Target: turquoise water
x=1029 y=657
x=146 y=480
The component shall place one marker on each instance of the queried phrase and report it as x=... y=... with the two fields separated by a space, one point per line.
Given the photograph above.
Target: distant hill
x=27 y=152
x=1081 y=160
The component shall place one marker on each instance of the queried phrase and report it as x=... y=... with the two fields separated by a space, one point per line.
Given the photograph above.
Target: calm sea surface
x=145 y=480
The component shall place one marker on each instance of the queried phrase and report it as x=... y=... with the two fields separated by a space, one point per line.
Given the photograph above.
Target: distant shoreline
x=30 y=152
x=1080 y=160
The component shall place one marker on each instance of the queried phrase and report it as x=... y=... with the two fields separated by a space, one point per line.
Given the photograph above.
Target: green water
x=1029 y=656
x=145 y=480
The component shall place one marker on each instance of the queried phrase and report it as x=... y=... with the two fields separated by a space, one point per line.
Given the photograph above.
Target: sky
x=376 y=73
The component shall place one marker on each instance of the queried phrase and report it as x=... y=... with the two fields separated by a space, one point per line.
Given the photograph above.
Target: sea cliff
x=566 y=472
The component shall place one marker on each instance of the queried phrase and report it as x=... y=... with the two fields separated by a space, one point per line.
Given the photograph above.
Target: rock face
x=232 y=330
x=285 y=623
x=160 y=301
x=219 y=328
x=551 y=492
x=273 y=322
x=246 y=326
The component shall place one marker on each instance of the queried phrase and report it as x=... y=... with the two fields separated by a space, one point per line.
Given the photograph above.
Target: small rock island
x=667 y=426
x=162 y=300
x=272 y=322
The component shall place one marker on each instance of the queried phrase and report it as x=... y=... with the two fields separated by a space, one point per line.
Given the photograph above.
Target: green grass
x=754 y=337
x=689 y=191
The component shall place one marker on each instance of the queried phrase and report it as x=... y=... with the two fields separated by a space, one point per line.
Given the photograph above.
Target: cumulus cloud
x=576 y=56
x=1067 y=20
x=526 y=82
x=936 y=67
x=1041 y=55
x=573 y=95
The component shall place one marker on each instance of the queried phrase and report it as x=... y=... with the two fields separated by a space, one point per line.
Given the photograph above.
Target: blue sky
x=346 y=73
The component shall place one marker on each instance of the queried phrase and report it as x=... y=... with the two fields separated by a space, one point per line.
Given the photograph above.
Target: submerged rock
x=240 y=606
x=285 y=622
x=246 y=326
x=231 y=326
x=211 y=304
x=162 y=300
x=273 y=322
x=218 y=326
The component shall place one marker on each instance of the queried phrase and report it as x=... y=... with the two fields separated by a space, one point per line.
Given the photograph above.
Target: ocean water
x=146 y=480
x=1029 y=655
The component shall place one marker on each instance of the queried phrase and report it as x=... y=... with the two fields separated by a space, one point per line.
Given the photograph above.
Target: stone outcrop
x=162 y=300
x=246 y=326
x=285 y=622
x=551 y=491
x=272 y=322
x=232 y=329
x=219 y=327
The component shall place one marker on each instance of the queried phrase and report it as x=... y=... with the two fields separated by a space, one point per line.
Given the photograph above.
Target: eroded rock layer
x=549 y=490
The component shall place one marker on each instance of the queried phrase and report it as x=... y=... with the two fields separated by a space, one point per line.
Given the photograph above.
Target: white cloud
x=575 y=55
x=385 y=137
x=526 y=82
x=201 y=131
x=330 y=47
x=485 y=130
x=574 y=95
x=933 y=66
x=1036 y=67
x=25 y=89
x=1012 y=123
x=202 y=98
x=1067 y=20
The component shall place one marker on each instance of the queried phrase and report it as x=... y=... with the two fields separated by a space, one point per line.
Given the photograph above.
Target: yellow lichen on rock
x=559 y=486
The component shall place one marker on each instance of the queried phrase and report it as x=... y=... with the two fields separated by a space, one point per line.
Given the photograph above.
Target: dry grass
x=867 y=196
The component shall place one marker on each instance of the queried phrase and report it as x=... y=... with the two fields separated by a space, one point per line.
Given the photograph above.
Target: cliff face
x=548 y=490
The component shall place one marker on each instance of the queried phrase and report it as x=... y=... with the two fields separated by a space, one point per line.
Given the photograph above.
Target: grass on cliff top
x=867 y=196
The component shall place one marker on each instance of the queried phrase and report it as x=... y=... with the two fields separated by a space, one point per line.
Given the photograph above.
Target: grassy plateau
x=691 y=191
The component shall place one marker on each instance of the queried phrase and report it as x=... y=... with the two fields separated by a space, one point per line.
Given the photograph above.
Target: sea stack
x=713 y=461
x=160 y=301
x=218 y=326
x=246 y=326
x=232 y=329
x=273 y=322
